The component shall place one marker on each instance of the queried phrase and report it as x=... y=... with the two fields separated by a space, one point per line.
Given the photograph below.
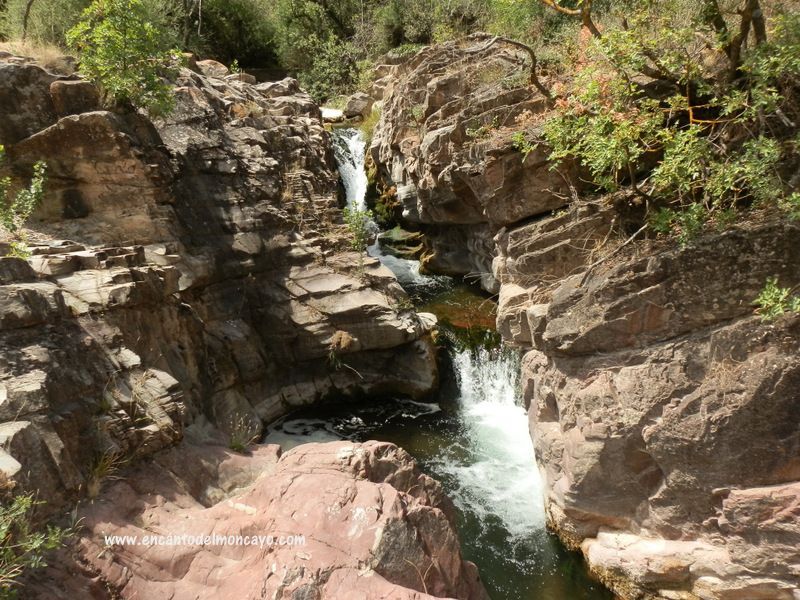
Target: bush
x=774 y=300
x=16 y=209
x=333 y=70
x=360 y=223
x=710 y=132
x=126 y=53
x=22 y=546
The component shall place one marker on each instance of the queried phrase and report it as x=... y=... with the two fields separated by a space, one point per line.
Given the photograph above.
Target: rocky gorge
x=190 y=283
x=664 y=413
x=188 y=280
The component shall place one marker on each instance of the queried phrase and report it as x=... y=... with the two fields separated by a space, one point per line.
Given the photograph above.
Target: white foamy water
x=500 y=478
x=350 y=150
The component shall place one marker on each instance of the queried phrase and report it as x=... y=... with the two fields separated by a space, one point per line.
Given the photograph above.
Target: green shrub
x=126 y=54
x=707 y=143
x=333 y=70
x=22 y=545
x=16 y=209
x=522 y=144
x=359 y=222
x=369 y=123
x=774 y=300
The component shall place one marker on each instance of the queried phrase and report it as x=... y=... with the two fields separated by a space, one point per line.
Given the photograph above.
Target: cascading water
x=474 y=440
x=350 y=151
x=499 y=477
x=476 y=443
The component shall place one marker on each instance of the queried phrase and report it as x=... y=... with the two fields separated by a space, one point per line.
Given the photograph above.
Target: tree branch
x=534 y=78
x=584 y=12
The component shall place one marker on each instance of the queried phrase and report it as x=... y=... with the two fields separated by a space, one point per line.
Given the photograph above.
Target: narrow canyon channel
x=473 y=437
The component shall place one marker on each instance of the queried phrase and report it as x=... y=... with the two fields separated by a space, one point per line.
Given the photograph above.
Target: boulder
x=213 y=68
x=74 y=97
x=25 y=100
x=343 y=520
x=359 y=105
x=243 y=77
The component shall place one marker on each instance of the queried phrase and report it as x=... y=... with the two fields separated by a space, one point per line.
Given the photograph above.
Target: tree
x=126 y=54
x=699 y=122
x=26 y=17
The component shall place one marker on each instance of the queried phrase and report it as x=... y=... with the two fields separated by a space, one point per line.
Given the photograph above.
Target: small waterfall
x=499 y=478
x=350 y=151
x=476 y=444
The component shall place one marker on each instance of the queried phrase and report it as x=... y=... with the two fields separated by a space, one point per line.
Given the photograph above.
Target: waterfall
x=350 y=151
x=497 y=475
x=474 y=439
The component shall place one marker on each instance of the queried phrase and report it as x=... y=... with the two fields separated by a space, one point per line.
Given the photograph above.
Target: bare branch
x=573 y=12
x=584 y=12
x=534 y=78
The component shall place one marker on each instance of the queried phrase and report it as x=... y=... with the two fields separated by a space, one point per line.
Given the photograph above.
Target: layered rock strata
x=665 y=419
x=194 y=265
x=444 y=141
x=664 y=413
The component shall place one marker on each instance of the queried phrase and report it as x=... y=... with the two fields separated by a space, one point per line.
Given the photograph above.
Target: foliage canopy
x=125 y=53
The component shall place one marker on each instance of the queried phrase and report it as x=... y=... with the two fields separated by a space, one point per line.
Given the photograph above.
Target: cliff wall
x=664 y=413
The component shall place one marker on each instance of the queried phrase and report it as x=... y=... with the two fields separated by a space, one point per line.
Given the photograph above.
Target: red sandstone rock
x=374 y=527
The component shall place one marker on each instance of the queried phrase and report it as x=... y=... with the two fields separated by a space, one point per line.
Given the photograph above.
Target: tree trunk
x=25 y=19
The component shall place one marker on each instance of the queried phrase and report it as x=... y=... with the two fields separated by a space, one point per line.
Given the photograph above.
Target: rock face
x=348 y=521
x=665 y=418
x=359 y=105
x=186 y=267
x=664 y=413
x=445 y=141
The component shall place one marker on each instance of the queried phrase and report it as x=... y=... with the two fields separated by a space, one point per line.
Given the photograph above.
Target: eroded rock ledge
x=444 y=142
x=189 y=267
x=664 y=413
x=373 y=527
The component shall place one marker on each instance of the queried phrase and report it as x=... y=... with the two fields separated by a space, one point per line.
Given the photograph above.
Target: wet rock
x=401 y=243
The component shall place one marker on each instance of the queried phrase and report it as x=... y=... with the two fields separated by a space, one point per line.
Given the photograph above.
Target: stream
x=474 y=438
